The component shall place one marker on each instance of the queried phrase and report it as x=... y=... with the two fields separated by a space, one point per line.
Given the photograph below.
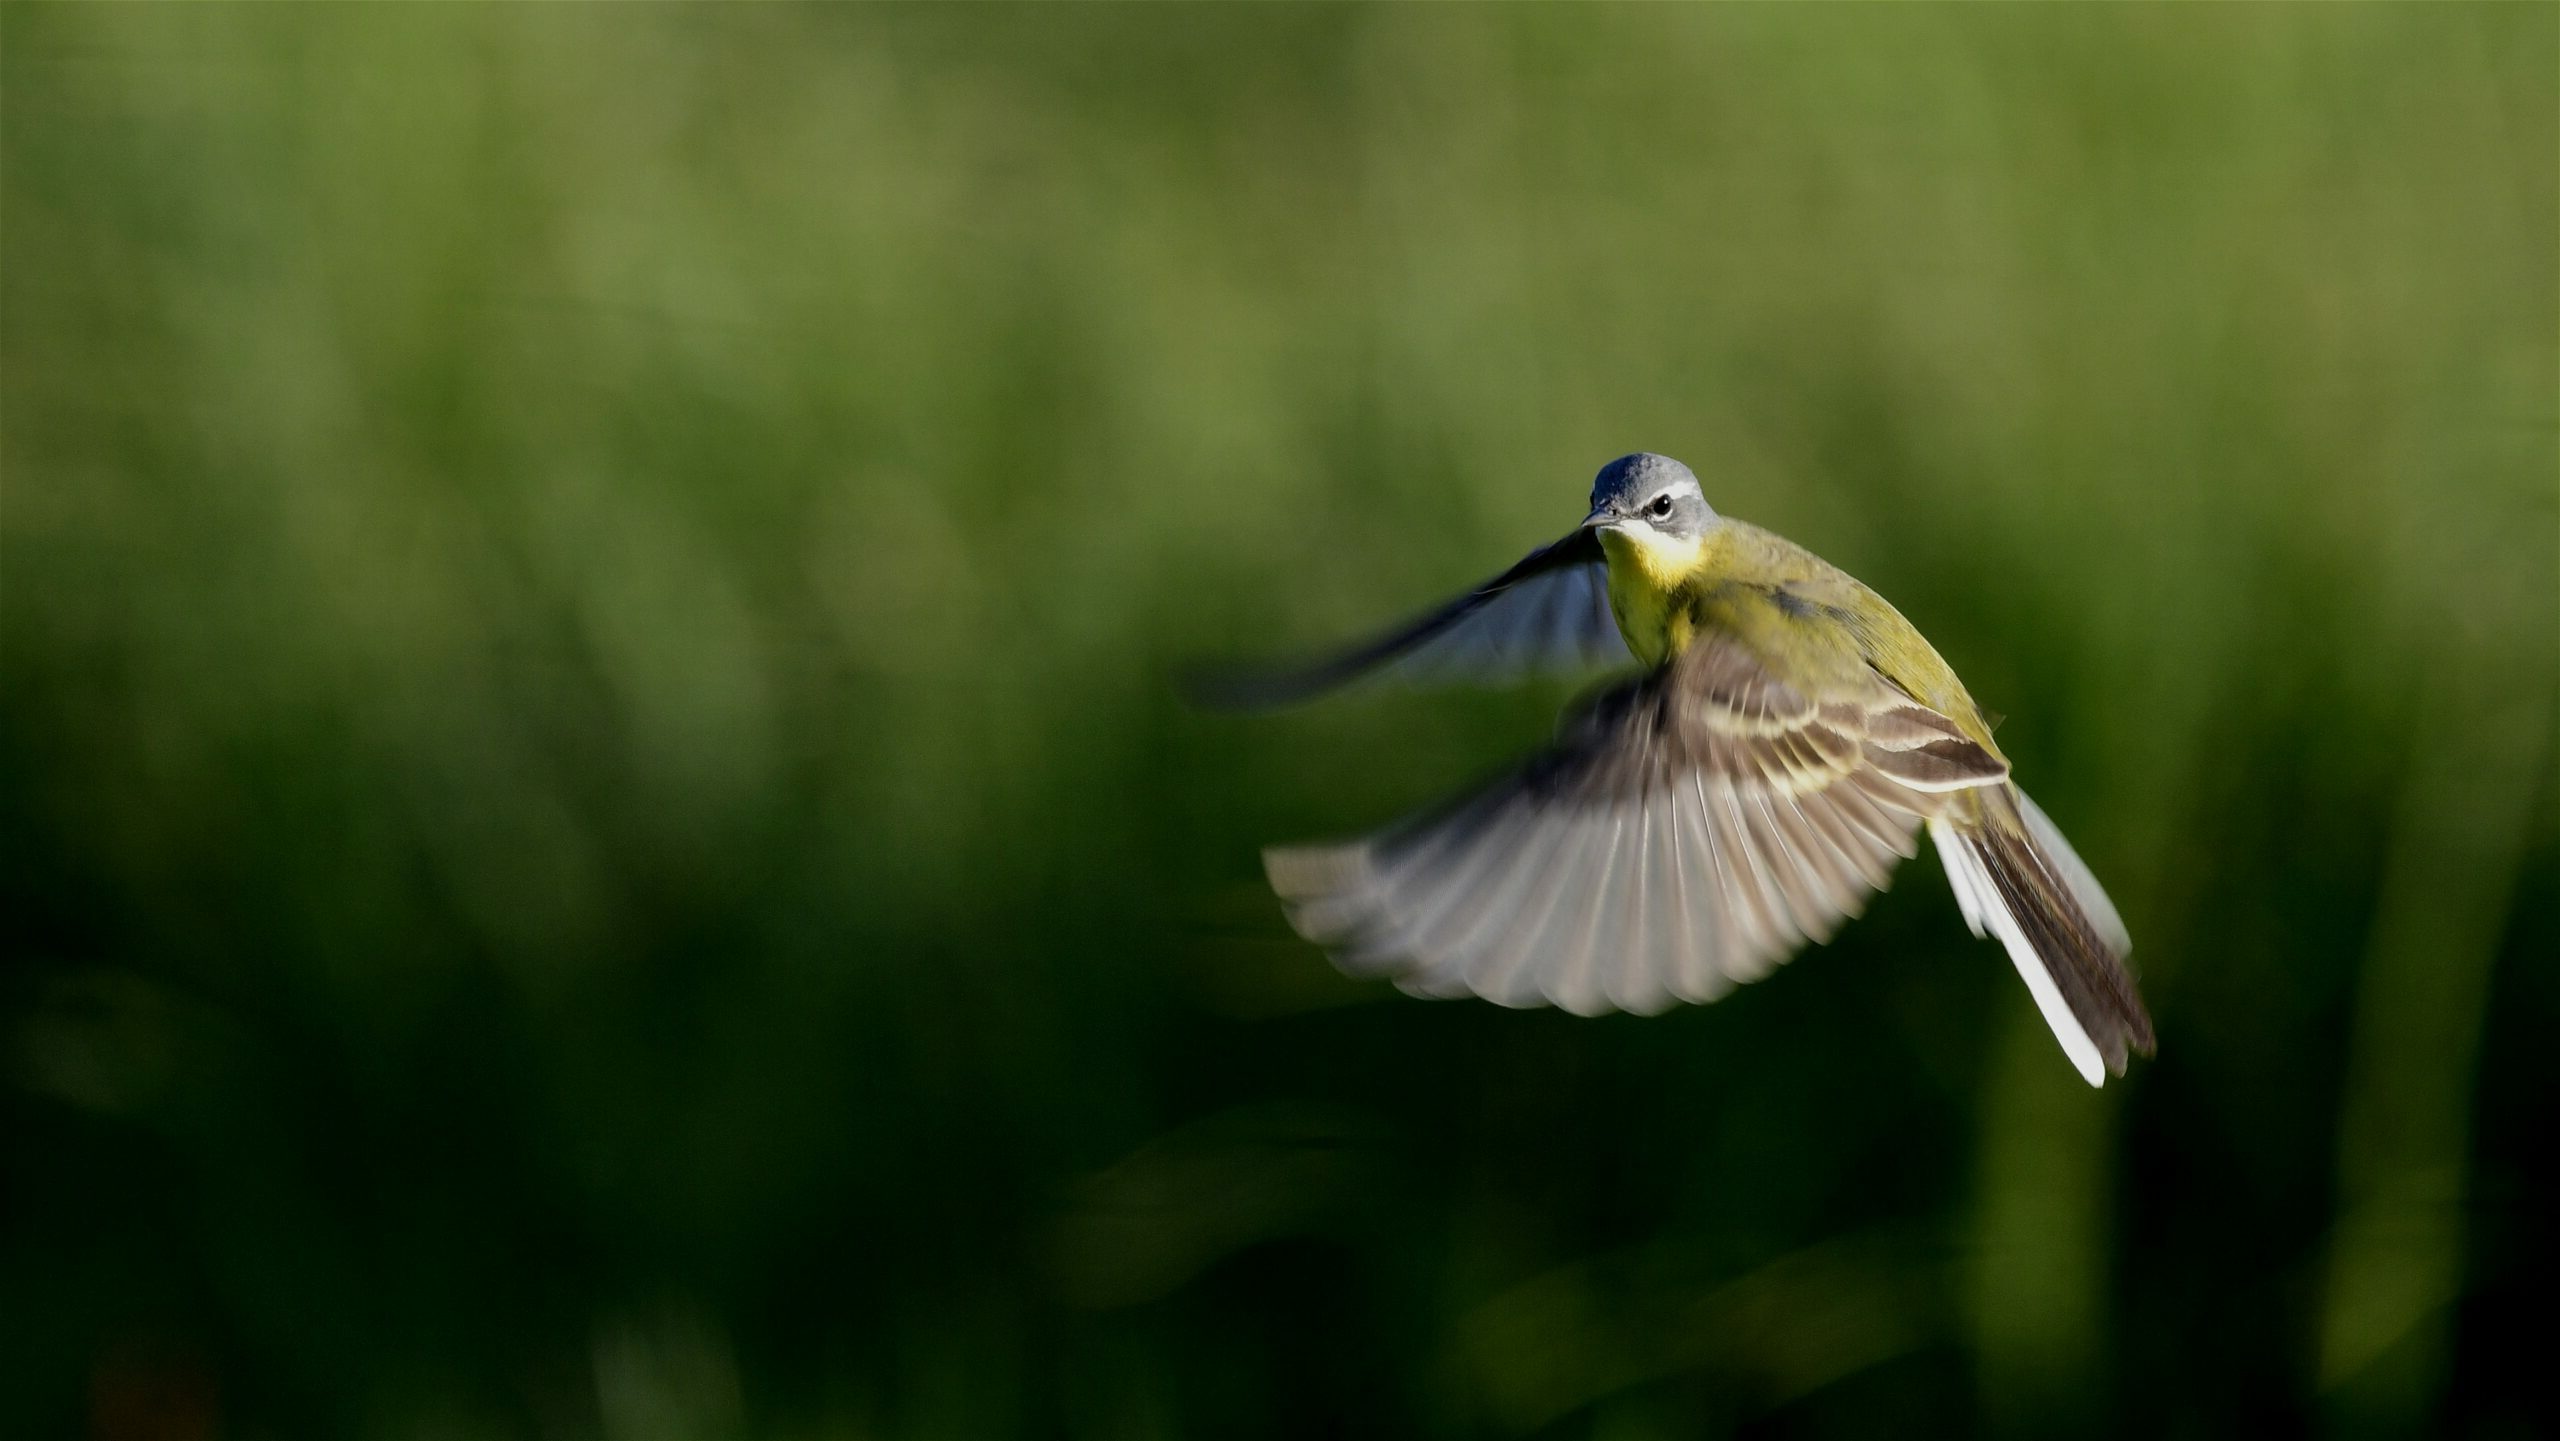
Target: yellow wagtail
x=1789 y=735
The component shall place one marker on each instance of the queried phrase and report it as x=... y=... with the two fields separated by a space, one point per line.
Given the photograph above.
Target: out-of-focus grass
x=597 y=839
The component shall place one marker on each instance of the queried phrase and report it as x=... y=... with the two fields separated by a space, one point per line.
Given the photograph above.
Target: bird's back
x=1811 y=619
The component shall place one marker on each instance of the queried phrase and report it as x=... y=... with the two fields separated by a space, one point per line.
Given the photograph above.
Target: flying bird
x=1784 y=738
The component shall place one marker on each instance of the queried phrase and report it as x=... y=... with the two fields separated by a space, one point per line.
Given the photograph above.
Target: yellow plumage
x=1646 y=573
x=1807 y=619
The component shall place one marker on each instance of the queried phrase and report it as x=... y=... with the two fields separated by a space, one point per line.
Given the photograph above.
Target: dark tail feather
x=2035 y=889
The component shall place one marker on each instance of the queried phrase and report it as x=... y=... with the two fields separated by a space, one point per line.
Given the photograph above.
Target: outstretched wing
x=1547 y=614
x=1691 y=830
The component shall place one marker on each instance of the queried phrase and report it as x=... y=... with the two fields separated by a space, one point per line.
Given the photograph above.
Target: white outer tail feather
x=1987 y=914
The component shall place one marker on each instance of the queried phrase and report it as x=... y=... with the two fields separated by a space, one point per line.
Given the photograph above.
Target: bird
x=1777 y=739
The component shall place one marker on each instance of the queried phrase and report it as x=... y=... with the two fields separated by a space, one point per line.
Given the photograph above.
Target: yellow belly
x=1645 y=572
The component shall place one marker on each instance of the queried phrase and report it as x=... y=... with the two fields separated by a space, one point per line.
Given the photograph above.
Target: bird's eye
x=1661 y=507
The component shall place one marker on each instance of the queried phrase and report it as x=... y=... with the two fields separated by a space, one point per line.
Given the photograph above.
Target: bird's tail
x=2016 y=878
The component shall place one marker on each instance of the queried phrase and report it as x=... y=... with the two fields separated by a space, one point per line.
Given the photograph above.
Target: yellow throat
x=1645 y=569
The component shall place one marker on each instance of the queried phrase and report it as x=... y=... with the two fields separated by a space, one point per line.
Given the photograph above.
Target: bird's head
x=1649 y=493
x=1648 y=508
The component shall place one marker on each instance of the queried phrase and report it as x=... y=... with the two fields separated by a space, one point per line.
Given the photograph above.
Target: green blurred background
x=599 y=842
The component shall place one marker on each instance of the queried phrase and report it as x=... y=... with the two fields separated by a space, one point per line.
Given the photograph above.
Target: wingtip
x=1310 y=872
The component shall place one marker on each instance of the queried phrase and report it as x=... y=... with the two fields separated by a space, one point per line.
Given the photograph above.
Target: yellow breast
x=1645 y=569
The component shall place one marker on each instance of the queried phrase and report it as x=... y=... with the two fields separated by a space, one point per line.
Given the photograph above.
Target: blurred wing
x=1692 y=830
x=1547 y=614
